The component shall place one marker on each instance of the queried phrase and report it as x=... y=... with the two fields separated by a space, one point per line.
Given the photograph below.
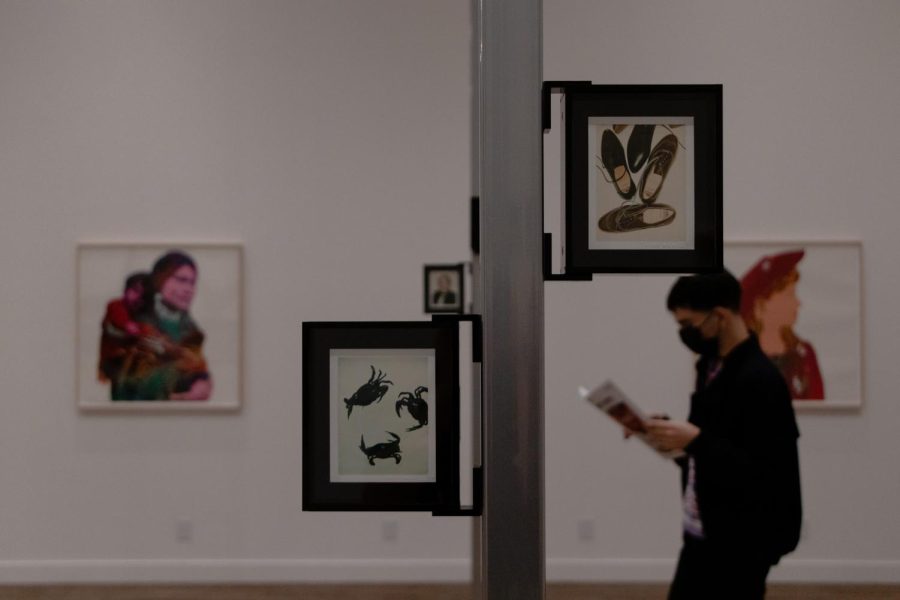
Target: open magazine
x=613 y=401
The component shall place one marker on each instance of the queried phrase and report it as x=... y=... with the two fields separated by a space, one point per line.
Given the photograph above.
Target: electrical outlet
x=184 y=531
x=389 y=531
x=585 y=529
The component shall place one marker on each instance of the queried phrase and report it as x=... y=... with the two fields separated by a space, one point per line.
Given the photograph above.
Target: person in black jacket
x=740 y=471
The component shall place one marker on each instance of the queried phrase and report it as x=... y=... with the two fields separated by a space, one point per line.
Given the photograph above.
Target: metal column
x=509 y=293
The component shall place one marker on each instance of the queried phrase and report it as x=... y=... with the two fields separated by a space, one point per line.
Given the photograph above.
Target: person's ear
x=722 y=314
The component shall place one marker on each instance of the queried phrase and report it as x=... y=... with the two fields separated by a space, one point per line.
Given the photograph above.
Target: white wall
x=811 y=91
x=332 y=140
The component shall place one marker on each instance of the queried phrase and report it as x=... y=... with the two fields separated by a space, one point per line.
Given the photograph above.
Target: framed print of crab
x=643 y=178
x=380 y=415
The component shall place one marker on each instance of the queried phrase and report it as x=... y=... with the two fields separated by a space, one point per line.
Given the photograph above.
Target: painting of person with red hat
x=769 y=306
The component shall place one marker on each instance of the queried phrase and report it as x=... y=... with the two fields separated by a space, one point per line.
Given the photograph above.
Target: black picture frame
x=660 y=212
x=337 y=475
x=451 y=300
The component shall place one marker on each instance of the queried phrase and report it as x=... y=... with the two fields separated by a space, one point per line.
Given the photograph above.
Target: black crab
x=416 y=405
x=383 y=450
x=369 y=392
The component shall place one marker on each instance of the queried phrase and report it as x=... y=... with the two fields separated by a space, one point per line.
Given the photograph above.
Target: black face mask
x=692 y=338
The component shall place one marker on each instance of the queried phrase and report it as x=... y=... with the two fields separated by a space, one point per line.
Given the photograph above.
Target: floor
x=410 y=592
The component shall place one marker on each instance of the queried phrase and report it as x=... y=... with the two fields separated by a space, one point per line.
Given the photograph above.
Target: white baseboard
x=235 y=571
x=837 y=571
x=404 y=571
x=586 y=570
x=790 y=570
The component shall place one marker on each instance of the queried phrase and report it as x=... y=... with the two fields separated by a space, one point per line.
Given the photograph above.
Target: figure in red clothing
x=120 y=329
x=769 y=306
x=121 y=313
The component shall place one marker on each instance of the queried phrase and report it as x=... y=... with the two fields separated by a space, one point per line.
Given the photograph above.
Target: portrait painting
x=159 y=327
x=444 y=288
x=803 y=301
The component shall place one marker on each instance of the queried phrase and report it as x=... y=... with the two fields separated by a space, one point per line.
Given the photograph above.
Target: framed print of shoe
x=643 y=178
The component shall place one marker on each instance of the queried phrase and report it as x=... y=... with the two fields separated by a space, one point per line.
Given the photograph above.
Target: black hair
x=705 y=292
x=167 y=264
x=134 y=279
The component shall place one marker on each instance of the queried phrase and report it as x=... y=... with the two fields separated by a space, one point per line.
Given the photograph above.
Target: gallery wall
x=331 y=139
x=809 y=134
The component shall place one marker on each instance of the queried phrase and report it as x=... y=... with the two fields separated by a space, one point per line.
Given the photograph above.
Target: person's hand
x=628 y=432
x=200 y=390
x=154 y=343
x=666 y=435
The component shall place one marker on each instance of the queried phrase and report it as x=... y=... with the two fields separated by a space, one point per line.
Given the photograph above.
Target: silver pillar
x=509 y=293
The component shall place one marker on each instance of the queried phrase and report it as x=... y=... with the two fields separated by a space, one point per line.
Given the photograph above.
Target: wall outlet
x=389 y=531
x=184 y=531
x=585 y=529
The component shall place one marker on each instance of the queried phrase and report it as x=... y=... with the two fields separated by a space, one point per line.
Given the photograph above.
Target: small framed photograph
x=444 y=288
x=159 y=327
x=643 y=178
x=803 y=300
x=380 y=415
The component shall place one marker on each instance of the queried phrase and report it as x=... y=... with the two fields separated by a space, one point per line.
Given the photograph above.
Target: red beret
x=762 y=277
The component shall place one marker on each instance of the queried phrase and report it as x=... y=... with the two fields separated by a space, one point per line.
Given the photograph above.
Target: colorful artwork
x=150 y=342
x=803 y=303
x=770 y=307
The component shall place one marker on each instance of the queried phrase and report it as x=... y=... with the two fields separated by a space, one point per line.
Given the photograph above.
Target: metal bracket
x=548 y=88
x=477 y=331
x=477 y=472
x=477 y=500
x=549 y=275
x=555 y=87
x=475 y=225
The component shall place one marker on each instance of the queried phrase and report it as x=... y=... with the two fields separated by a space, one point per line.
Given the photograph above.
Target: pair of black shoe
x=658 y=161
x=631 y=217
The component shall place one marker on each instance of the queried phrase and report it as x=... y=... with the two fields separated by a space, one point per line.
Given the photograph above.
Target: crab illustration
x=382 y=450
x=369 y=392
x=416 y=405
